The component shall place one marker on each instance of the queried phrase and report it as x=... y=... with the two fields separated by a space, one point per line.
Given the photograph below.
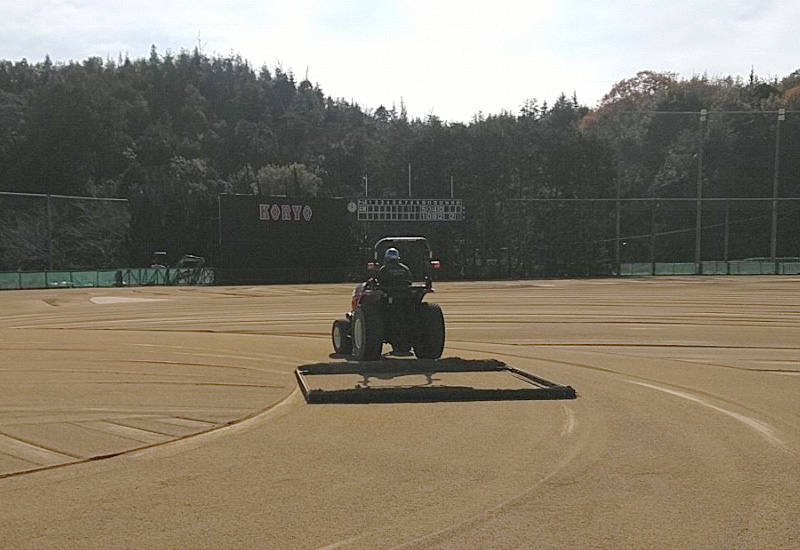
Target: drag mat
x=424 y=380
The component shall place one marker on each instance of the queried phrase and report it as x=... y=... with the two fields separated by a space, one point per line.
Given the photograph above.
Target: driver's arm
x=380 y=276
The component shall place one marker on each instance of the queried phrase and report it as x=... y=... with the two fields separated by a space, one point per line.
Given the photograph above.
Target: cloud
x=451 y=58
x=351 y=19
x=715 y=37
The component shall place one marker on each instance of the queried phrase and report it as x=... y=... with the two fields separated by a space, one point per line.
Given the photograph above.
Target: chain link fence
x=162 y=276
x=58 y=232
x=696 y=192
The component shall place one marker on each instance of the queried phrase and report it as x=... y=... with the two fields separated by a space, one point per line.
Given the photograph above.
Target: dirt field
x=170 y=418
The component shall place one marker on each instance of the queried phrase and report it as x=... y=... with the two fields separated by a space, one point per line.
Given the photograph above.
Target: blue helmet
x=391 y=254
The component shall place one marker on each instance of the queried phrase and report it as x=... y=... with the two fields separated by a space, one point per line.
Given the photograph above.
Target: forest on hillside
x=173 y=131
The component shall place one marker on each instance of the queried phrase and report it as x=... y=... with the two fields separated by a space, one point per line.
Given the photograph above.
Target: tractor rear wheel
x=430 y=343
x=367 y=334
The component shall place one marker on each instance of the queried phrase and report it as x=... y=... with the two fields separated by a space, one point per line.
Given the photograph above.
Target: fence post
x=727 y=235
x=698 y=241
x=653 y=206
x=776 y=177
x=618 y=261
x=49 y=233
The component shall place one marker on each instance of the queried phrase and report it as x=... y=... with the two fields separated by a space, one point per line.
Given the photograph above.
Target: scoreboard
x=410 y=210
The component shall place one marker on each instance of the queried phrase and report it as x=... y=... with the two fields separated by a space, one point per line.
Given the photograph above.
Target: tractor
x=393 y=313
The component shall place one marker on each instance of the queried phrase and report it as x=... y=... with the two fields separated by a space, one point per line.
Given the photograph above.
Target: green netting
x=10 y=281
x=637 y=269
x=100 y=278
x=715 y=268
x=683 y=269
x=752 y=268
x=740 y=267
x=33 y=280
x=674 y=269
x=790 y=268
x=61 y=279
x=106 y=278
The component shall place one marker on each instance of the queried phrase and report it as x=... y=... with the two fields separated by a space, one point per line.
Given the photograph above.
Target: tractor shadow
x=388 y=355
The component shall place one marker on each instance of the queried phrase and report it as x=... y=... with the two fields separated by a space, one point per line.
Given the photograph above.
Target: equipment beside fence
x=149 y=276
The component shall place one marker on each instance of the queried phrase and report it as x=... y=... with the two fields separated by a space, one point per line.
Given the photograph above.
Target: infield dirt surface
x=171 y=418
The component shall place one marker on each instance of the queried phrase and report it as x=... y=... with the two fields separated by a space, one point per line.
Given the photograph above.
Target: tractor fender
x=359 y=293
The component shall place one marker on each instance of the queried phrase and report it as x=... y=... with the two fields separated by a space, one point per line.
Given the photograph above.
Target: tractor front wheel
x=340 y=335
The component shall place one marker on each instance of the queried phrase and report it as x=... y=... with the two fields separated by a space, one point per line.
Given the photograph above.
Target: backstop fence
x=52 y=232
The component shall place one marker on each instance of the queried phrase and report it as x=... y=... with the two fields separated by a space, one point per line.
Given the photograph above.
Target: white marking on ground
x=199 y=352
x=343 y=543
x=294 y=399
x=764 y=429
x=31 y=453
x=569 y=427
x=186 y=423
x=127 y=432
x=123 y=300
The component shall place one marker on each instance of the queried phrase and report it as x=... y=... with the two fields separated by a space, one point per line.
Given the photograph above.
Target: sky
x=446 y=58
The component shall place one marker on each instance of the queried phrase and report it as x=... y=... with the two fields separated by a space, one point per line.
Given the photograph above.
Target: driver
x=393 y=272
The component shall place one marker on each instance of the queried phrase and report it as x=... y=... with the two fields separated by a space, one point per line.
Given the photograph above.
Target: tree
x=290 y=180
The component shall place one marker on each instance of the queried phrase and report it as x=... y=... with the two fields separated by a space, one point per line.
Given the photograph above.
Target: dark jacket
x=394 y=273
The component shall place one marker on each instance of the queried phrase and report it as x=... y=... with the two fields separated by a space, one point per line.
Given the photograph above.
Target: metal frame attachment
x=539 y=389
